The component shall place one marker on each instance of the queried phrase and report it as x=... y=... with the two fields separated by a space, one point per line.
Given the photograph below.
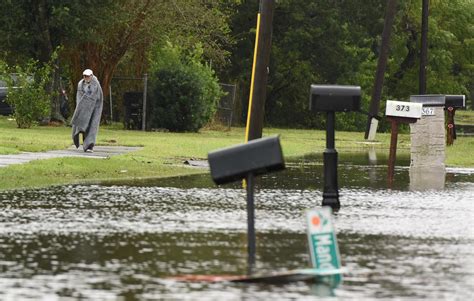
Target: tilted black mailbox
x=331 y=99
x=237 y=162
x=244 y=161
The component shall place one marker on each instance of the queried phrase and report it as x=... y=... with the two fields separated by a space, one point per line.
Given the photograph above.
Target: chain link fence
x=127 y=102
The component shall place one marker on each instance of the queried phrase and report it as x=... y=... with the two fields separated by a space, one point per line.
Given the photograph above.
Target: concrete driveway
x=100 y=152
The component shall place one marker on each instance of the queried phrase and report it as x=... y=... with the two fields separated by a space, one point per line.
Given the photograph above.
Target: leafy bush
x=183 y=93
x=27 y=91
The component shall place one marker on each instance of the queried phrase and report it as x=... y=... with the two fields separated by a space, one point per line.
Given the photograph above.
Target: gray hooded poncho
x=86 y=118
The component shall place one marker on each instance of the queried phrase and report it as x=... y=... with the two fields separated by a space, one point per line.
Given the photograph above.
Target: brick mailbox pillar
x=428 y=144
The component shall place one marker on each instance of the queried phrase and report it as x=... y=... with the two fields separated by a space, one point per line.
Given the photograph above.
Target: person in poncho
x=86 y=118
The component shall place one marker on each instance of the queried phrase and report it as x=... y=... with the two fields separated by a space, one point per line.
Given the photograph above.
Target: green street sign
x=322 y=240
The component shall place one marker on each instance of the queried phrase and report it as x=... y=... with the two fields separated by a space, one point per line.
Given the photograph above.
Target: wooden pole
x=260 y=70
x=451 y=134
x=395 y=121
x=393 y=149
x=390 y=12
x=424 y=47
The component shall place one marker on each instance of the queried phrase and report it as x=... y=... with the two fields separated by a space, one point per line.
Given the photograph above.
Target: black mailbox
x=336 y=98
x=256 y=157
x=245 y=161
x=455 y=101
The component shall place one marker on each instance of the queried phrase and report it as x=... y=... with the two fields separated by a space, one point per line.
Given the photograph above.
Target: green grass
x=163 y=153
x=464 y=117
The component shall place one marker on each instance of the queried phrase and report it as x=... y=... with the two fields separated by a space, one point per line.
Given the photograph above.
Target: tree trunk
x=45 y=53
x=260 y=74
x=391 y=10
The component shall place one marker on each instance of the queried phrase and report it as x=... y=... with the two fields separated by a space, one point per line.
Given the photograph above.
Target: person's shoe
x=76 y=140
x=89 y=150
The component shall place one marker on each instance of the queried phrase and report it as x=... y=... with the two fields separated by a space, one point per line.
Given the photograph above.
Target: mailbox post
x=399 y=112
x=246 y=160
x=453 y=102
x=331 y=99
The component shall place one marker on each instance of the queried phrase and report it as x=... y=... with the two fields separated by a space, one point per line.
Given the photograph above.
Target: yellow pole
x=252 y=80
x=249 y=112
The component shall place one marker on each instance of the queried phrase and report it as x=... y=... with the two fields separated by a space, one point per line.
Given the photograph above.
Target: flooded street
x=124 y=241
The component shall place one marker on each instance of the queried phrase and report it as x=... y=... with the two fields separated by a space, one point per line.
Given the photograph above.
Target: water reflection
x=355 y=170
x=107 y=242
x=427 y=178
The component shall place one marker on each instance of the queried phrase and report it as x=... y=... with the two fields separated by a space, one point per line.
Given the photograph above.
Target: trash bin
x=133 y=105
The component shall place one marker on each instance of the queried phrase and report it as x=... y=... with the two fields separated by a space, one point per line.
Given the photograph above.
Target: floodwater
x=125 y=241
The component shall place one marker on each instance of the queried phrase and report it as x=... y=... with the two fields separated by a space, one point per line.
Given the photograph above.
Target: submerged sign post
x=322 y=241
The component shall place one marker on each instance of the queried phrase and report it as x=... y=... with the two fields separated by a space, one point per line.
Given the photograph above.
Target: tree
x=34 y=29
x=305 y=51
x=184 y=92
x=451 y=52
x=99 y=34
x=338 y=42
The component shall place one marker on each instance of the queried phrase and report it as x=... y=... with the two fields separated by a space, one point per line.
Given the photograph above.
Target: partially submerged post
x=399 y=112
x=428 y=146
x=453 y=102
x=244 y=161
x=331 y=99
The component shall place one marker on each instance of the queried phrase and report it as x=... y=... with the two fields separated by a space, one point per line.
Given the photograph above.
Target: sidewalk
x=100 y=152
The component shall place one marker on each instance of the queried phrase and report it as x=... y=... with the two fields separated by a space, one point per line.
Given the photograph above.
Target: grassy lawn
x=163 y=153
x=464 y=117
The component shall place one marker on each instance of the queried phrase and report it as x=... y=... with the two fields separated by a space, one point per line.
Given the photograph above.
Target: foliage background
x=183 y=92
x=327 y=41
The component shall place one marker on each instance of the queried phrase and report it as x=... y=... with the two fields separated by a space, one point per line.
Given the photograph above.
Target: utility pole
x=372 y=120
x=261 y=59
x=424 y=47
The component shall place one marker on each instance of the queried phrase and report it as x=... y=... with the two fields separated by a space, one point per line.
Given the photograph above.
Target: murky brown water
x=123 y=242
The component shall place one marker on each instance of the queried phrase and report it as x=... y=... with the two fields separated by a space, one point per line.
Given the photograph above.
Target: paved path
x=100 y=152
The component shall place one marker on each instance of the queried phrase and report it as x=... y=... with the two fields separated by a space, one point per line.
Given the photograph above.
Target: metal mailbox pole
x=251 y=244
x=332 y=99
x=258 y=156
x=331 y=189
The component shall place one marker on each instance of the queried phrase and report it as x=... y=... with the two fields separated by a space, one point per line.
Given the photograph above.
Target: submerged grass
x=163 y=153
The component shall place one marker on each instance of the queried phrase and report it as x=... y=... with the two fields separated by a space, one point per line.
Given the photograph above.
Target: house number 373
x=402 y=108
